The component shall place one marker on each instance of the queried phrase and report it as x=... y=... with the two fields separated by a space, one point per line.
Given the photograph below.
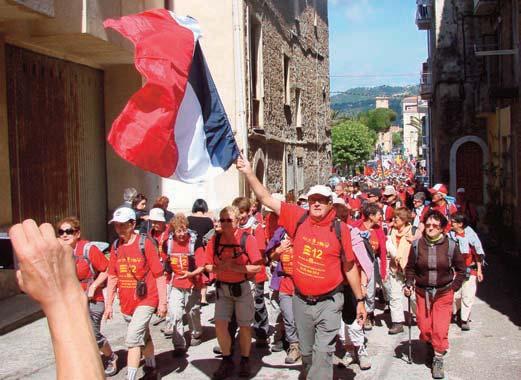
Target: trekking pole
x=410 y=328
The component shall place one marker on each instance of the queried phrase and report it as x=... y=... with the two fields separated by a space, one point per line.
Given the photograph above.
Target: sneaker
x=349 y=357
x=244 y=368
x=437 y=368
x=217 y=350
x=225 y=370
x=293 y=354
x=277 y=346
x=368 y=324
x=362 y=358
x=396 y=328
x=195 y=341
x=465 y=326
x=111 y=365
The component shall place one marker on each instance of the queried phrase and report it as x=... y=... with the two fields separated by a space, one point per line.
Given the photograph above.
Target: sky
x=371 y=41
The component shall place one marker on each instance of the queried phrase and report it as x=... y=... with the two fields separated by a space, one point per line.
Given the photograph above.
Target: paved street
x=491 y=350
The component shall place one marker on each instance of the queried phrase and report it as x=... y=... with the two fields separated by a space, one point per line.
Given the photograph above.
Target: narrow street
x=489 y=351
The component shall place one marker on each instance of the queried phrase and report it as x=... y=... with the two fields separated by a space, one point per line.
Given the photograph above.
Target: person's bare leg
x=106 y=350
x=204 y=291
x=245 y=340
x=223 y=336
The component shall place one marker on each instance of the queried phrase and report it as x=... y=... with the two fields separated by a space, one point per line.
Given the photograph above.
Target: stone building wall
x=288 y=29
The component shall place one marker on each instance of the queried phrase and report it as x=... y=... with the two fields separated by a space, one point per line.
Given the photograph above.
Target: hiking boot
x=179 y=352
x=362 y=357
x=369 y=321
x=293 y=354
x=465 y=326
x=244 y=368
x=396 y=328
x=225 y=369
x=437 y=368
x=111 y=365
x=277 y=346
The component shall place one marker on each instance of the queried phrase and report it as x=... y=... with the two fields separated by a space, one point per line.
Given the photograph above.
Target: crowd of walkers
x=317 y=264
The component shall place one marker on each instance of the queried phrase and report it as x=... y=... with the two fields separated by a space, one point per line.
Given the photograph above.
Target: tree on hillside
x=353 y=143
x=379 y=119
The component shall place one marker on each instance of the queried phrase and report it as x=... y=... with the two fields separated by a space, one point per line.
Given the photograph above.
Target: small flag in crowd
x=175 y=125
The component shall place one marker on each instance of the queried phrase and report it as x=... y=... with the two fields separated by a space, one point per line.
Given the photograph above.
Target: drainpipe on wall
x=240 y=114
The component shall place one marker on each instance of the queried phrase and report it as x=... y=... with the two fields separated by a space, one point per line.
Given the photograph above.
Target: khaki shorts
x=138 y=333
x=243 y=306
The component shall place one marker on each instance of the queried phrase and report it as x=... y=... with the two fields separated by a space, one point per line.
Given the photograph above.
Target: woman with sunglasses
x=435 y=270
x=91 y=270
x=234 y=257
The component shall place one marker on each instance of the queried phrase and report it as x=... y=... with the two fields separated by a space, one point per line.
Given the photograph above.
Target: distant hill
x=356 y=100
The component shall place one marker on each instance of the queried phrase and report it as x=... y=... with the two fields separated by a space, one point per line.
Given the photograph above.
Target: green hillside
x=360 y=99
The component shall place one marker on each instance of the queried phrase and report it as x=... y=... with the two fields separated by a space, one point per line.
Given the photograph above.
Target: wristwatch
x=361 y=299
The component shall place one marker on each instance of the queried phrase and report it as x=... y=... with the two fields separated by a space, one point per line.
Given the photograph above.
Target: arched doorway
x=470 y=174
x=468 y=157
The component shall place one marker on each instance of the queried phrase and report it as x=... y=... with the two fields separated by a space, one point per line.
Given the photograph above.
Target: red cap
x=439 y=188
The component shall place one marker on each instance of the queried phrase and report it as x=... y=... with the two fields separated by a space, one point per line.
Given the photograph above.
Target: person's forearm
x=72 y=337
x=161 y=289
x=100 y=279
x=247 y=269
x=197 y=271
x=261 y=193
x=112 y=283
x=353 y=277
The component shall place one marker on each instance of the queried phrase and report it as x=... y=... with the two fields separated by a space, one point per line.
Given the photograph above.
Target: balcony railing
x=426 y=85
x=484 y=7
x=424 y=14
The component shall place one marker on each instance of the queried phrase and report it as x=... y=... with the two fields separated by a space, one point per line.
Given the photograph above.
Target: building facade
x=64 y=79
x=471 y=80
x=414 y=111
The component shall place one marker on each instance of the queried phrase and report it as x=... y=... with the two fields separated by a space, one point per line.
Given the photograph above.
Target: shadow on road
x=500 y=288
x=418 y=350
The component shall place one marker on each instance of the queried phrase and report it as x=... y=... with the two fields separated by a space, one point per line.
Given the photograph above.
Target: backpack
x=242 y=246
x=85 y=255
x=452 y=247
x=191 y=251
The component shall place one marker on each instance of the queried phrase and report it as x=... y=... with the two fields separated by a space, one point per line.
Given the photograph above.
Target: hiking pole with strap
x=410 y=327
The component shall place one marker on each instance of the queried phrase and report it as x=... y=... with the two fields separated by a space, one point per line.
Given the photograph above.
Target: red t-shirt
x=317 y=266
x=129 y=262
x=180 y=263
x=260 y=237
x=355 y=203
x=251 y=256
x=85 y=276
x=160 y=239
x=471 y=258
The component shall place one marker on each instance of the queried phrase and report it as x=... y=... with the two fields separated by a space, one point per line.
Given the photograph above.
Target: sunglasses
x=226 y=220
x=322 y=201
x=68 y=231
x=432 y=225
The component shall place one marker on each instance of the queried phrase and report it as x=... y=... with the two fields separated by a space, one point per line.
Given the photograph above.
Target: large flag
x=175 y=125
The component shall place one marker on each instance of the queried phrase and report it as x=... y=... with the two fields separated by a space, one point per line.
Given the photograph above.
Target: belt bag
x=235 y=288
x=313 y=300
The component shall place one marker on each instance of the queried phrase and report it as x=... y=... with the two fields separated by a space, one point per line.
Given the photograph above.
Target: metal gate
x=56 y=140
x=469 y=171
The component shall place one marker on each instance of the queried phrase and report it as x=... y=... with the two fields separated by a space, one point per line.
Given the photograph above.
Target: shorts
x=96 y=310
x=243 y=306
x=138 y=333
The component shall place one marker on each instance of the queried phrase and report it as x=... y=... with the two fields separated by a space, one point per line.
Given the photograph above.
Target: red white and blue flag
x=175 y=125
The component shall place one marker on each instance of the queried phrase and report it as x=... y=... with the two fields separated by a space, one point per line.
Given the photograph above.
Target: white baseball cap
x=460 y=190
x=320 y=190
x=156 y=215
x=339 y=201
x=389 y=190
x=122 y=215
